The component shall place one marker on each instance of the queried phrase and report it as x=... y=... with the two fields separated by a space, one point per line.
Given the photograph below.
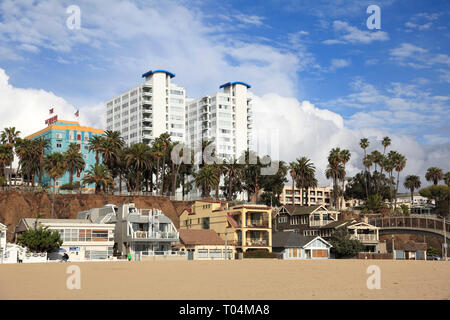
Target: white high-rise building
x=157 y=105
x=223 y=117
x=146 y=111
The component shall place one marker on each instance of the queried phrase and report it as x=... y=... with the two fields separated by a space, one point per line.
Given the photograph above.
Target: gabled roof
x=200 y=237
x=300 y=210
x=293 y=239
x=361 y=223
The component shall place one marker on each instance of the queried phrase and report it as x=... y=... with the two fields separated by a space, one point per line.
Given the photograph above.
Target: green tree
x=412 y=182
x=138 y=157
x=233 y=171
x=96 y=145
x=73 y=160
x=293 y=168
x=9 y=136
x=364 y=144
x=206 y=179
x=343 y=245
x=98 y=175
x=55 y=166
x=305 y=176
x=40 y=240
x=434 y=174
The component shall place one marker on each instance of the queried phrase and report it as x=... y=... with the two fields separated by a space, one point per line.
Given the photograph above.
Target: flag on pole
x=77 y=114
x=51 y=111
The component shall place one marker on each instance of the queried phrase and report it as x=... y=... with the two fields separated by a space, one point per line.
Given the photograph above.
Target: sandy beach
x=243 y=279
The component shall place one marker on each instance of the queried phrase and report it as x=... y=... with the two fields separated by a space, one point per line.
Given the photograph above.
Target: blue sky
x=391 y=81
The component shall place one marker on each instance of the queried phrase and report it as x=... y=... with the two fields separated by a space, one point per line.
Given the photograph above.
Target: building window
x=58 y=145
x=295 y=220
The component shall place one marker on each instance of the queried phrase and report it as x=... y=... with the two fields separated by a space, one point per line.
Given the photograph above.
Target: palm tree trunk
x=396 y=189
x=230 y=187
x=293 y=192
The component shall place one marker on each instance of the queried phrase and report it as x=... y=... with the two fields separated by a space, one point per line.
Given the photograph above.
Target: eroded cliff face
x=15 y=205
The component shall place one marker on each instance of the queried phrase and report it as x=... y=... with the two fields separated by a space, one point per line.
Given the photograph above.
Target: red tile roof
x=200 y=237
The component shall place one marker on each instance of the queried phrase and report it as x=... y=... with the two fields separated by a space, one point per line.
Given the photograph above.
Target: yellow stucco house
x=247 y=227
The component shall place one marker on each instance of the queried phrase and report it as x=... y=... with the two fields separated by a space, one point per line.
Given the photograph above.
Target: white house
x=293 y=245
x=82 y=238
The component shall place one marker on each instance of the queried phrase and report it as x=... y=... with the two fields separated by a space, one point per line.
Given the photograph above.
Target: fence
x=373 y=255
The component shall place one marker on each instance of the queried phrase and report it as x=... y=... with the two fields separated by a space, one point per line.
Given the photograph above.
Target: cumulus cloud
x=351 y=34
x=27 y=108
x=306 y=130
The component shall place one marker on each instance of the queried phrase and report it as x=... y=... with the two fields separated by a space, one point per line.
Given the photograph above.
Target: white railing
x=154 y=235
x=319 y=223
x=366 y=237
x=163 y=253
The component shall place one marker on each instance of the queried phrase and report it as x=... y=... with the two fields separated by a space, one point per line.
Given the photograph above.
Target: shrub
x=40 y=240
x=260 y=254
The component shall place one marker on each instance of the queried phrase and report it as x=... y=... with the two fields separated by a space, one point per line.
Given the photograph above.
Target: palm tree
x=9 y=136
x=335 y=172
x=6 y=157
x=305 y=176
x=233 y=170
x=412 y=182
x=293 y=172
x=335 y=168
x=41 y=144
x=28 y=153
x=138 y=156
x=364 y=144
x=434 y=174
x=345 y=157
x=206 y=179
x=386 y=142
x=99 y=176
x=219 y=170
x=447 y=179
x=95 y=145
x=73 y=160
x=54 y=165
x=389 y=167
x=110 y=150
x=399 y=165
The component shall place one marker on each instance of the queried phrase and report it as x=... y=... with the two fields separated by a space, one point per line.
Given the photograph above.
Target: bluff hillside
x=17 y=204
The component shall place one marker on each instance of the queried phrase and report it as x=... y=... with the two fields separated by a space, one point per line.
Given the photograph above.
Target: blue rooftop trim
x=236 y=82
x=149 y=73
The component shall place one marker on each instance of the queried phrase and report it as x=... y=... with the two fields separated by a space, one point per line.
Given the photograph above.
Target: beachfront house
x=294 y=246
x=146 y=234
x=410 y=250
x=83 y=239
x=306 y=220
x=247 y=227
x=204 y=245
x=366 y=233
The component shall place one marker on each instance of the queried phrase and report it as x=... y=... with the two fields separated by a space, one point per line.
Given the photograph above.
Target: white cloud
x=306 y=130
x=411 y=55
x=339 y=63
x=27 y=109
x=249 y=19
x=350 y=34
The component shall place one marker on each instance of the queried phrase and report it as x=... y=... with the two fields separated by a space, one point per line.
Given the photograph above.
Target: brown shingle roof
x=201 y=237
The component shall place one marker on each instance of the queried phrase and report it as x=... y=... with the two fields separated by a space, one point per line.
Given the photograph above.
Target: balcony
x=264 y=223
x=145 y=235
x=365 y=237
x=257 y=243
x=319 y=223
